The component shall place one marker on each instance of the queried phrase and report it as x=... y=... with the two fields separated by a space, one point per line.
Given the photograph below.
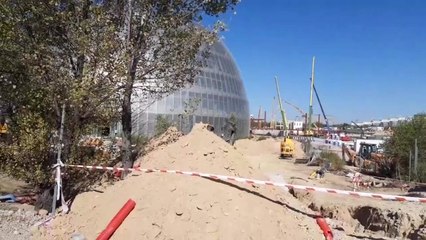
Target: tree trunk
x=126 y=116
x=44 y=200
x=126 y=122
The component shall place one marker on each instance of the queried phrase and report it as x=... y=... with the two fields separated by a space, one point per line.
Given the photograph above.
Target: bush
x=29 y=159
x=32 y=153
x=336 y=162
x=162 y=125
x=261 y=138
x=398 y=147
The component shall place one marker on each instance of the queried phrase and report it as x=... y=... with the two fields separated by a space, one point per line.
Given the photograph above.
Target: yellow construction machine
x=287 y=148
x=287 y=144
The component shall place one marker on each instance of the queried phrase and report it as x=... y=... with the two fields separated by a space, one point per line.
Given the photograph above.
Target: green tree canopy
x=398 y=147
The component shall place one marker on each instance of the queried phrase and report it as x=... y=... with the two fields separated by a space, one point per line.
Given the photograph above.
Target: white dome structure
x=218 y=90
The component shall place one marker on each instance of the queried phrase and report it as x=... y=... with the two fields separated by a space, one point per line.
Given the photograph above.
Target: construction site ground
x=172 y=206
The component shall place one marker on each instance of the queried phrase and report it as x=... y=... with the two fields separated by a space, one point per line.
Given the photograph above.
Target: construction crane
x=313 y=89
x=284 y=118
x=287 y=145
x=303 y=114
x=322 y=110
x=295 y=107
x=308 y=127
x=362 y=130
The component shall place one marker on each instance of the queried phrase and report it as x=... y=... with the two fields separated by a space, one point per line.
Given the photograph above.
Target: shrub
x=31 y=158
x=162 y=125
x=336 y=162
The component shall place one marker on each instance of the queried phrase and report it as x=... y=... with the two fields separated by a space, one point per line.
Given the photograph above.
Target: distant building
x=295 y=125
x=390 y=122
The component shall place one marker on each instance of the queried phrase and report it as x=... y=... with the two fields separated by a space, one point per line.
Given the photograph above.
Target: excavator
x=287 y=144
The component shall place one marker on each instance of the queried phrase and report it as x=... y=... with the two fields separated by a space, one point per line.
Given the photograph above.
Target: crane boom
x=311 y=95
x=362 y=130
x=322 y=109
x=295 y=107
x=284 y=118
x=300 y=111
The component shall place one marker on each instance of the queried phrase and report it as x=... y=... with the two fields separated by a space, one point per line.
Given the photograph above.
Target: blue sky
x=371 y=55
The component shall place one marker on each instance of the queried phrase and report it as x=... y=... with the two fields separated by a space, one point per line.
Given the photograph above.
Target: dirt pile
x=171 y=135
x=180 y=207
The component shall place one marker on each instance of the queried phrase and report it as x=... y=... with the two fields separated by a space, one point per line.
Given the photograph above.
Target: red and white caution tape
x=260 y=182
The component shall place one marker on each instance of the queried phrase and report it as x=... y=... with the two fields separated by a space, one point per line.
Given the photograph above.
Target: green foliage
x=52 y=58
x=162 y=125
x=88 y=57
x=398 y=147
x=190 y=107
x=336 y=162
x=140 y=142
x=261 y=138
x=30 y=158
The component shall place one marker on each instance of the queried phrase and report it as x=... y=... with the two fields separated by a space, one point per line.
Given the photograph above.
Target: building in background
x=390 y=122
x=218 y=93
x=295 y=125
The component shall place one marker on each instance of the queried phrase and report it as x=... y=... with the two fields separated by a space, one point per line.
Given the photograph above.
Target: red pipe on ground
x=328 y=234
x=117 y=220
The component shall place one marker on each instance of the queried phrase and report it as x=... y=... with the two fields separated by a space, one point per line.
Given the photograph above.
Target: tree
x=92 y=57
x=185 y=118
x=55 y=53
x=68 y=53
x=164 y=48
x=398 y=147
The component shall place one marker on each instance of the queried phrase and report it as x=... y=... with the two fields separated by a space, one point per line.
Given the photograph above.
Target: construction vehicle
x=287 y=144
x=368 y=156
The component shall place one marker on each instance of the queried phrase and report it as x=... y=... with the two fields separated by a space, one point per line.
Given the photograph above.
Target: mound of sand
x=180 y=207
x=172 y=134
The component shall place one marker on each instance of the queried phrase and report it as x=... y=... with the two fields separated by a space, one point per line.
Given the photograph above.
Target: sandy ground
x=181 y=207
x=345 y=213
x=9 y=185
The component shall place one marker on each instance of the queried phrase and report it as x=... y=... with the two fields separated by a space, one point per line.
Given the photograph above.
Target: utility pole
x=416 y=156
x=409 y=166
x=311 y=95
x=258 y=118
x=272 y=124
x=264 y=120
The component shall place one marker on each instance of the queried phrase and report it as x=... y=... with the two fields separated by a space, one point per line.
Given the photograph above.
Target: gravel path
x=17 y=221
